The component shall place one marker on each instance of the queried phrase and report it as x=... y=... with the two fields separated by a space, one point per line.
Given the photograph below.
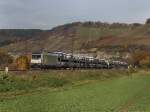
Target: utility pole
x=72 y=41
x=72 y=49
x=72 y=35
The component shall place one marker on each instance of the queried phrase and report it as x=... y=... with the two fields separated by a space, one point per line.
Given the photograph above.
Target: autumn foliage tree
x=5 y=58
x=148 y=21
x=22 y=63
x=140 y=59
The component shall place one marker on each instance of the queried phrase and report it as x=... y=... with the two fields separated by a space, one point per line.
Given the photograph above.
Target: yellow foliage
x=141 y=58
x=22 y=63
x=145 y=61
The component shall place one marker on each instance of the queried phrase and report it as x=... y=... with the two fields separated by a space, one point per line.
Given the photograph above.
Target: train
x=61 y=60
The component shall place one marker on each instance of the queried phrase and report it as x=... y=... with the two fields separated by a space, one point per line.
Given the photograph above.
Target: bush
x=145 y=62
x=148 y=21
x=141 y=59
x=22 y=63
x=5 y=58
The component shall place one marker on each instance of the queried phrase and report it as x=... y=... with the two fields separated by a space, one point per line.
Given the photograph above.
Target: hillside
x=8 y=36
x=84 y=36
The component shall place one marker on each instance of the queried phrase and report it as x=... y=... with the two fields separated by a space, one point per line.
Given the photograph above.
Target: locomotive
x=60 y=60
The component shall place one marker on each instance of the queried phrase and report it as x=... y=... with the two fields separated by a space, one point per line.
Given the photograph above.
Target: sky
x=46 y=14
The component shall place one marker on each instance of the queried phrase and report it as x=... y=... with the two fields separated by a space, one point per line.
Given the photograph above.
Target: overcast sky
x=45 y=14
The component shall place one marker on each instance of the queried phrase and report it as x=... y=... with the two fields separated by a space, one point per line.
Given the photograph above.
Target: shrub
x=148 y=21
x=22 y=63
x=5 y=58
x=140 y=59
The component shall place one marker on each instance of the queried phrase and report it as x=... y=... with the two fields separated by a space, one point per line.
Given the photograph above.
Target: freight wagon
x=60 y=60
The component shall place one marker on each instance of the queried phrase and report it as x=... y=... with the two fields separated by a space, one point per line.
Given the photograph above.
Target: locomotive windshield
x=36 y=56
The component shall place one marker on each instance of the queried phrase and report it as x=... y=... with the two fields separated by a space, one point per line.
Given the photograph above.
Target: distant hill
x=8 y=36
x=81 y=36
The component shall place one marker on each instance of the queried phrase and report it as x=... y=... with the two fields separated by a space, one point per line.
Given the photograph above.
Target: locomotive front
x=36 y=60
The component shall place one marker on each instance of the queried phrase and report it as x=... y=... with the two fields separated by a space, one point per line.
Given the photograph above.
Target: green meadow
x=75 y=91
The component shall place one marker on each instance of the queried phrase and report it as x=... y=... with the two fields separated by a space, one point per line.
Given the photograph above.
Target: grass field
x=94 y=91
